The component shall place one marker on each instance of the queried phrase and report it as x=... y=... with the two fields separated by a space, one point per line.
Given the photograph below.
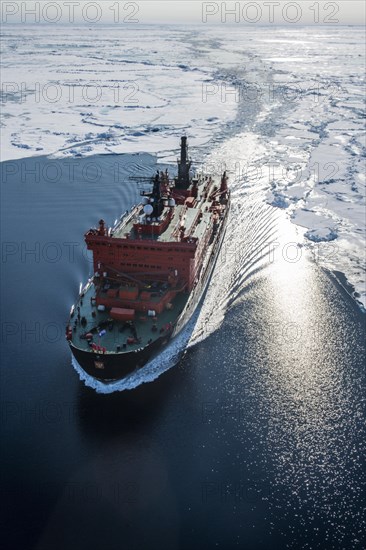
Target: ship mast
x=184 y=165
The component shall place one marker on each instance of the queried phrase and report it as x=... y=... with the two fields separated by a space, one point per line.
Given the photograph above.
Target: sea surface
x=249 y=431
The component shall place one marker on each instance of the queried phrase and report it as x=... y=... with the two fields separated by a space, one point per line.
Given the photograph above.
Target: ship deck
x=117 y=332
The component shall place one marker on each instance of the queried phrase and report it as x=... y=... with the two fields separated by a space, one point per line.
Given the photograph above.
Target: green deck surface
x=115 y=337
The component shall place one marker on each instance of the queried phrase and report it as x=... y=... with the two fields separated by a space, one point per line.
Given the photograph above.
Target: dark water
x=255 y=439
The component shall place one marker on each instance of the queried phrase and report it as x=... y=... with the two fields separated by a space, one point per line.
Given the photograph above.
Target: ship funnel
x=183 y=165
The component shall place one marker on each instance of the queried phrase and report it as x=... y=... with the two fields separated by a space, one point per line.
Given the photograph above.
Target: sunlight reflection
x=303 y=382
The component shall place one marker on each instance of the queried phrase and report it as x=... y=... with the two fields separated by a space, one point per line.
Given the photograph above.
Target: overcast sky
x=302 y=12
